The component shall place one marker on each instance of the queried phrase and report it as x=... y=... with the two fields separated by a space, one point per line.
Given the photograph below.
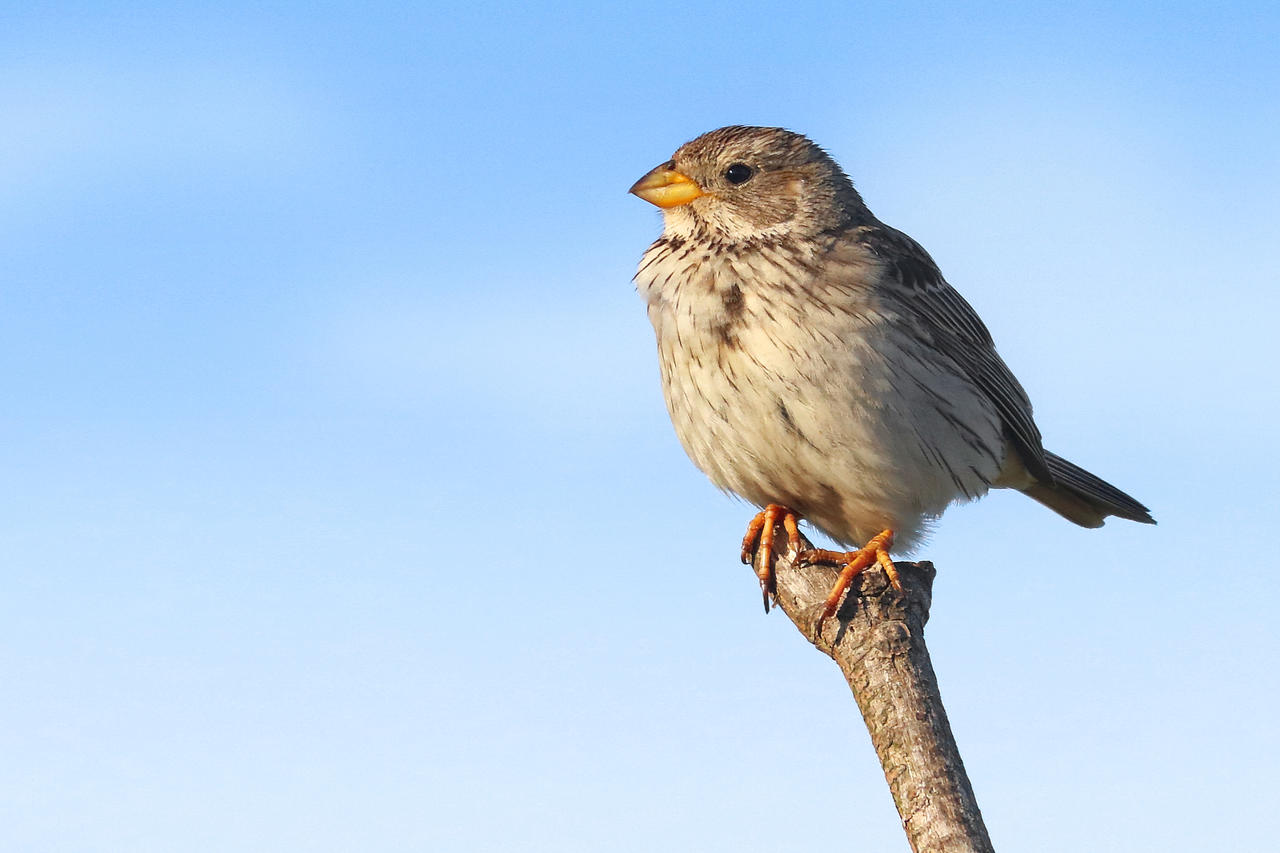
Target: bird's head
x=741 y=184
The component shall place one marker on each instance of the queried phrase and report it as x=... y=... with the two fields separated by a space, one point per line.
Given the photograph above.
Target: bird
x=815 y=362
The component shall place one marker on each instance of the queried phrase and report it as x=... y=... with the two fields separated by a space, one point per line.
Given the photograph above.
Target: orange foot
x=852 y=563
x=757 y=545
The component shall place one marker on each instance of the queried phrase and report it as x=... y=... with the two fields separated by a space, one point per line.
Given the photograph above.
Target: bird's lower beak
x=666 y=187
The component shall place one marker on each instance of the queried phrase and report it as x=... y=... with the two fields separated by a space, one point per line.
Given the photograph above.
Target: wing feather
x=956 y=331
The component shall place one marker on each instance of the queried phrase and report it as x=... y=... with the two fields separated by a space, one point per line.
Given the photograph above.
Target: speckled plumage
x=813 y=357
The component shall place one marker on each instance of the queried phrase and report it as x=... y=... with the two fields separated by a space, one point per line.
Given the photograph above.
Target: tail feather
x=1083 y=498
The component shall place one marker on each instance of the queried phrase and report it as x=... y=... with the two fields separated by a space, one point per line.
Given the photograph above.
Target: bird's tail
x=1079 y=496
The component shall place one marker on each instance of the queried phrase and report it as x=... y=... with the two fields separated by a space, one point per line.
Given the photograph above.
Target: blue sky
x=342 y=511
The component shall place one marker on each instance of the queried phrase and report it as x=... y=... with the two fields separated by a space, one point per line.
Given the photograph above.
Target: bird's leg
x=757 y=545
x=852 y=563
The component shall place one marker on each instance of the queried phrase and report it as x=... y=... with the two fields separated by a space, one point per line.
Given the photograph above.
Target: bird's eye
x=738 y=173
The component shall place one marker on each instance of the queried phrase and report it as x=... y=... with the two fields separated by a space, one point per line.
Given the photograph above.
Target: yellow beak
x=666 y=187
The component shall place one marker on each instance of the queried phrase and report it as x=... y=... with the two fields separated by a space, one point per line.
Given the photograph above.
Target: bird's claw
x=851 y=563
x=757 y=546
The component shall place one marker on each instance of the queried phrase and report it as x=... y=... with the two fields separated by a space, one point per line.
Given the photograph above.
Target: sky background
x=341 y=508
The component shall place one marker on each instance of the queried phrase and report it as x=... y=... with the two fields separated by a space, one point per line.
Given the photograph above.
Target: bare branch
x=877 y=638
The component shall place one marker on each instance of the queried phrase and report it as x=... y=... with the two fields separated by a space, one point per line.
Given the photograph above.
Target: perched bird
x=816 y=363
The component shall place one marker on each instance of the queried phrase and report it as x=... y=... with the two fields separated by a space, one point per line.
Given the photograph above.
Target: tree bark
x=877 y=639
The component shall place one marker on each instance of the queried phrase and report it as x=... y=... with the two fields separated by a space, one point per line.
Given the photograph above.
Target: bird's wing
x=957 y=331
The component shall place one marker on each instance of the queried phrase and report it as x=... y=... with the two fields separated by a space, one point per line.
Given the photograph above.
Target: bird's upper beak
x=666 y=187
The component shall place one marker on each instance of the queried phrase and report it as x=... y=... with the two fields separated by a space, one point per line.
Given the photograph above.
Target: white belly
x=837 y=414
